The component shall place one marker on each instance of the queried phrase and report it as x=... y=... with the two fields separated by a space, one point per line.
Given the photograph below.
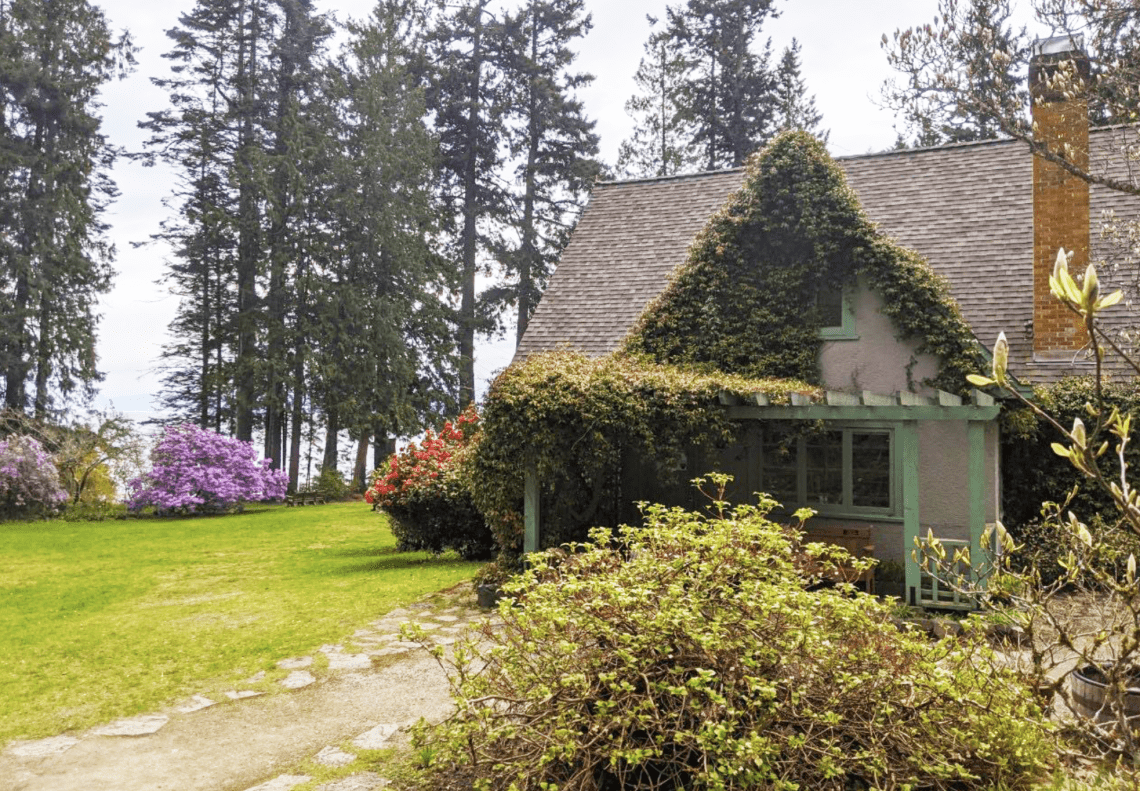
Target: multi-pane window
x=871 y=469
x=824 y=467
x=839 y=470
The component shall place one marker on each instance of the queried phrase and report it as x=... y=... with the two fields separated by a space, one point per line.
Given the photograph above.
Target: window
x=836 y=313
x=838 y=471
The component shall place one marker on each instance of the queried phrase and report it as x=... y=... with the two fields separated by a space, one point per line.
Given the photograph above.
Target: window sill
x=861 y=516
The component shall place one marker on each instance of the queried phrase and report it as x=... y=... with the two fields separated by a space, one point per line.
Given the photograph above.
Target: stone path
x=375 y=685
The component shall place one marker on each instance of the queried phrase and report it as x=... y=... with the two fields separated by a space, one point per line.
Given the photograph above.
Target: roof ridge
x=885 y=153
x=924 y=149
x=674 y=177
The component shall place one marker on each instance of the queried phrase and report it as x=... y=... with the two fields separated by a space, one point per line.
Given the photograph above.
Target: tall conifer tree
x=551 y=139
x=294 y=133
x=468 y=100
x=54 y=187
x=662 y=139
x=384 y=331
x=729 y=85
x=795 y=108
x=196 y=136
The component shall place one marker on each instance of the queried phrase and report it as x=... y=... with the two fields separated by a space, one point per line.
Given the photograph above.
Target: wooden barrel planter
x=1088 y=690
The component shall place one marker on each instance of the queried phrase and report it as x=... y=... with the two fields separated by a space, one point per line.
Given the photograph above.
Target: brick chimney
x=1060 y=200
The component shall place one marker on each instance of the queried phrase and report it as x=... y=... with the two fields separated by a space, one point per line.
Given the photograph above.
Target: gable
x=744 y=302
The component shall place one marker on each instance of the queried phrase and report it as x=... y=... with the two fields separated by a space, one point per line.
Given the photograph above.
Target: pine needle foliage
x=749 y=287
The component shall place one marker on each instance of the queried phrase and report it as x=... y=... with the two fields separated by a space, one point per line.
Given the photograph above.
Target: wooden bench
x=305 y=498
x=857 y=542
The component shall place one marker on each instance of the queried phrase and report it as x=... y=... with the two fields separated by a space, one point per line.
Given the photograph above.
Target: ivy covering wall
x=574 y=416
x=744 y=302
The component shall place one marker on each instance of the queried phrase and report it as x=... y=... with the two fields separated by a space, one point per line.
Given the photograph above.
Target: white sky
x=843 y=64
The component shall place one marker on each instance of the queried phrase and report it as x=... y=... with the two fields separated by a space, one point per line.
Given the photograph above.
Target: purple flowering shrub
x=29 y=481
x=198 y=471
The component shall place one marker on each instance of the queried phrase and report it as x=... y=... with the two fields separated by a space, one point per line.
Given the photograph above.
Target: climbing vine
x=573 y=417
x=749 y=287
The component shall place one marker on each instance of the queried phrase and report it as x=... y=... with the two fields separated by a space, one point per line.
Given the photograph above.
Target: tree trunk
x=15 y=377
x=527 y=262
x=248 y=227
x=384 y=447
x=470 y=221
x=204 y=381
x=43 y=359
x=297 y=425
x=359 y=470
x=278 y=245
x=332 y=428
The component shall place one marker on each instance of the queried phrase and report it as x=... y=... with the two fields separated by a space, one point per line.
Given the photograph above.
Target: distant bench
x=305 y=498
x=857 y=542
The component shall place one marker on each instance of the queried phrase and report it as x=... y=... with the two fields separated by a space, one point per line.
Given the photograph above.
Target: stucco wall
x=877 y=360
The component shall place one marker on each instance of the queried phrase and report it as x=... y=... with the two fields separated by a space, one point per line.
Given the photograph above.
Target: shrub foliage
x=427 y=498
x=744 y=302
x=1033 y=473
x=29 y=480
x=195 y=471
x=695 y=653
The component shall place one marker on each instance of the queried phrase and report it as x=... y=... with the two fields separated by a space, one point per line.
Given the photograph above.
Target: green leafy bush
x=1032 y=473
x=331 y=483
x=697 y=653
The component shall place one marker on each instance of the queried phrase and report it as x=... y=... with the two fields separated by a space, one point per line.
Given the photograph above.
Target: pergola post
x=976 y=492
x=908 y=440
x=531 y=514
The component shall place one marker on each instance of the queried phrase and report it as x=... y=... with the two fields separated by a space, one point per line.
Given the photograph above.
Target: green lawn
x=107 y=619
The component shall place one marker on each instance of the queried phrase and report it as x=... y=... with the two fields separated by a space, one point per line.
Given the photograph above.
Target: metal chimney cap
x=1058 y=45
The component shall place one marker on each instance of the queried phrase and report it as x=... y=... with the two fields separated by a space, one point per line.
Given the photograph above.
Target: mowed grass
x=108 y=619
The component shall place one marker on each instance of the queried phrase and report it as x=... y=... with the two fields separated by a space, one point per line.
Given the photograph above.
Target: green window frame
x=840 y=304
x=842 y=470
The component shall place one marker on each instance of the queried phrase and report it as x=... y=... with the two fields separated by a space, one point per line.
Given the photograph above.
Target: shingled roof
x=967 y=209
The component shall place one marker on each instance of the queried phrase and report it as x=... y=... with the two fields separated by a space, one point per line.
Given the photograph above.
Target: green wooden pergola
x=902 y=411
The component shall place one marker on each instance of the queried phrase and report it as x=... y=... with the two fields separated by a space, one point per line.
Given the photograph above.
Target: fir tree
x=295 y=64
x=729 y=84
x=662 y=139
x=195 y=135
x=551 y=139
x=795 y=109
x=383 y=332
x=54 y=187
x=467 y=98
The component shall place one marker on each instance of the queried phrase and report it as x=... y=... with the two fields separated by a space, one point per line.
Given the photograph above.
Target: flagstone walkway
x=249 y=740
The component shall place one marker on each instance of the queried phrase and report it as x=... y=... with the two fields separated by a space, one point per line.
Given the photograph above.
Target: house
x=897 y=454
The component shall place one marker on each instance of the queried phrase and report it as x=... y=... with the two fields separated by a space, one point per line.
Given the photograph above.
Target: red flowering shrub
x=425 y=493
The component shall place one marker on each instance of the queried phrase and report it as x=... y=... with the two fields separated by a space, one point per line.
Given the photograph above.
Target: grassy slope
x=102 y=620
